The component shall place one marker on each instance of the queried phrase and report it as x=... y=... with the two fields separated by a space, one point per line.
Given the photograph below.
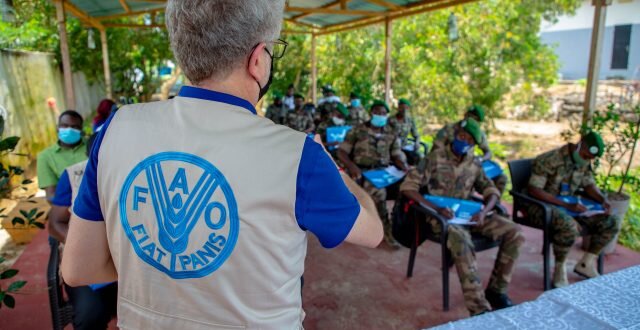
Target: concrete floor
x=345 y=288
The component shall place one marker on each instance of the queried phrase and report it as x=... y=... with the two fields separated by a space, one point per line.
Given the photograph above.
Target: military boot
x=497 y=300
x=587 y=266
x=560 y=275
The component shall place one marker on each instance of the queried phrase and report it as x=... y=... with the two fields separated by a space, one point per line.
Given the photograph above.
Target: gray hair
x=210 y=38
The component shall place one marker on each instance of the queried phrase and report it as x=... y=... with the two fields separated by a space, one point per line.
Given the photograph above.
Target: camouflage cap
x=477 y=110
x=594 y=143
x=379 y=103
x=404 y=101
x=472 y=127
x=342 y=109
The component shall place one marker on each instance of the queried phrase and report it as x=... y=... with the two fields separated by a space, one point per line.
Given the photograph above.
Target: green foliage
x=5 y=297
x=29 y=219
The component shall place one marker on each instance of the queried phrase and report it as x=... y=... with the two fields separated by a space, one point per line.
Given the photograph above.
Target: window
x=621 y=42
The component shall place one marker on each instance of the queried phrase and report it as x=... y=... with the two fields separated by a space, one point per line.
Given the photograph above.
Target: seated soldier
x=357 y=114
x=92 y=309
x=446 y=134
x=299 y=119
x=369 y=146
x=337 y=118
x=451 y=172
x=277 y=110
x=403 y=124
x=566 y=171
x=326 y=104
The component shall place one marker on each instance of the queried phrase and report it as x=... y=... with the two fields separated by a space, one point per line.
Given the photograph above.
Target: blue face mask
x=69 y=135
x=378 y=120
x=356 y=103
x=460 y=147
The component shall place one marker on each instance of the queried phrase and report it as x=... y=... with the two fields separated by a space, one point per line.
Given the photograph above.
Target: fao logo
x=180 y=214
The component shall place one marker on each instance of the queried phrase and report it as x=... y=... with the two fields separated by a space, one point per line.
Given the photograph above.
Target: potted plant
x=6 y=298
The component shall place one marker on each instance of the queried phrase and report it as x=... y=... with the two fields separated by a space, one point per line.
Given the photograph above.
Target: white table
x=610 y=301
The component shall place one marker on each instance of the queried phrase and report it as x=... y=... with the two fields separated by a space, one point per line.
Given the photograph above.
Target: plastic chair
x=520 y=173
x=61 y=310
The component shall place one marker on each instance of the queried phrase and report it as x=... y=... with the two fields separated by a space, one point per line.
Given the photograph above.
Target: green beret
x=404 y=101
x=354 y=95
x=277 y=95
x=477 y=110
x=594 y=143
x=380 y=103
x=472 y=127
x=298 y=96
x=328 y=88
x=342 y=109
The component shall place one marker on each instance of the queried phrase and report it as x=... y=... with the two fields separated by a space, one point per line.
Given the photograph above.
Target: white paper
x=591 y=213
x=461 y=221
x=395 y=172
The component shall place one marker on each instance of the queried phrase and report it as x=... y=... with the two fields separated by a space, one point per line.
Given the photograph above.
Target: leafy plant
x=29 y=219
x=7 y=173
x=5 y=294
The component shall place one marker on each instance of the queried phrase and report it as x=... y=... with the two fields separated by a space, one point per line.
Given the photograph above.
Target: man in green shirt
x=70 y=149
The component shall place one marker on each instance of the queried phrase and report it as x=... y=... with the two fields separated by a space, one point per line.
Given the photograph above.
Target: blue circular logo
x=179 y=214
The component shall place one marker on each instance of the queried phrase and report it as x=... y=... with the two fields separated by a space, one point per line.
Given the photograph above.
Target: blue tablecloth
x=610 y=301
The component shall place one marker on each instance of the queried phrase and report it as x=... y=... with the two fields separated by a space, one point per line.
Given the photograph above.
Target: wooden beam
x=597 y=36
x=70 y=98
x=124 y=5
x=329 y=5
x=288 y=31
x=343 y=4
x=81 y=15
x=335 y=11
x=388 y=35
x=129 y=14
x=134 y=26
x=385 y=4
x=314 y=70
x=300 y=23
x=105 y=64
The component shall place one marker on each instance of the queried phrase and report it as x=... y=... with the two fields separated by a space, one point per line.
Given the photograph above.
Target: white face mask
x=338 y=121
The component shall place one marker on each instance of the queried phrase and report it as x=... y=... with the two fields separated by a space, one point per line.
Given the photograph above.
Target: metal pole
x=314 y=70
x=597 y=35
x=105 y=64
x=387 y=59
x=66 y=61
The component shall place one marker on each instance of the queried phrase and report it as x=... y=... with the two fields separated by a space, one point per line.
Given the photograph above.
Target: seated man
x=446 y=134
x=68 y=150
x=337 y=118
x=451 y=172
x=357 y=114
x=92 y=309
x=369 y=146
x=563 y=172
x=276 y=111
x=299 y=119
x=404 y=125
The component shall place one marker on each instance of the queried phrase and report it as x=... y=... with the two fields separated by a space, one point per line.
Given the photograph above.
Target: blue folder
x=337 y=134
x=462 y=208
x=491 y=169
x=380 y=178
x=592 y=206
x=99 y=286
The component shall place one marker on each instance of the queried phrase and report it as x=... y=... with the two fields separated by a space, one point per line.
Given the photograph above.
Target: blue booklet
x=337 y=134
x=463 y=209
x=384 y=177
x=491 y=169
x=593 y=207
x=98 y=286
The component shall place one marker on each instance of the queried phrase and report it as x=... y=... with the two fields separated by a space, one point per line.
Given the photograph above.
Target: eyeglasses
x=279 y=48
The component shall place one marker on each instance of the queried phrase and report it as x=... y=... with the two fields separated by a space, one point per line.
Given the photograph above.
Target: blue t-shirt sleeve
x=324 y=204
x=63 y=191
x=87 y=203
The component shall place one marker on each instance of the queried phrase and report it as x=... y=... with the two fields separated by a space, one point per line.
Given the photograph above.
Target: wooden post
x=387 y=60
x=105 y=64
x=66 y=61
x=314 y=70
x=597 y=35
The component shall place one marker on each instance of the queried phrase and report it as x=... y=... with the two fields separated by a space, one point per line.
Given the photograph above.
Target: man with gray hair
x=198 y=207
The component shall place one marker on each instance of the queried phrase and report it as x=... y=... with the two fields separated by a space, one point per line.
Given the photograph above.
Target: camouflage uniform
x=440 y=174
x=275 y=113
x=368 y=151
x=447 y=134
x=404 y=127
x=300 y=121
x=357 y=116
x=549 y=172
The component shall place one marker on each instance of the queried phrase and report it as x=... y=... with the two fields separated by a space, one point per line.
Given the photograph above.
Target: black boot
x=497 y=300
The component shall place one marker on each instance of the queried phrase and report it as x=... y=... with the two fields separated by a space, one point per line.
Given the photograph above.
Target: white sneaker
x=587 y=266
x=560 y=275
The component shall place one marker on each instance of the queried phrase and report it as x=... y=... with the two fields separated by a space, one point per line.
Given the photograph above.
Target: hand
x=479 y=218
x=607 y=207
x=445 y=212
x=577 y=208
x=478 y=160
x=355 y=172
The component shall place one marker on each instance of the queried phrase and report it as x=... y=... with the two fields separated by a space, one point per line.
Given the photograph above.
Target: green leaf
x=41 y=213
x=27 y=181
x=2 y=209
x=15 y=286
x=9 y=301
x=24 y=213
x=33 y=212
x=9 y=143
x=39 y=225
x=9 y=273
x=32 y=201
x=16 y=220
x=2 y=259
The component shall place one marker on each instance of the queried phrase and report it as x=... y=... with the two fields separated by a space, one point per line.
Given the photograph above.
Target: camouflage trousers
x=565 y=229
x=379 y=197
x=460 y=245
x=501 y=183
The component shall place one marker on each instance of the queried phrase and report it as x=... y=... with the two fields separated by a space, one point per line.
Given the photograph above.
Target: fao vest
x=198 y=198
